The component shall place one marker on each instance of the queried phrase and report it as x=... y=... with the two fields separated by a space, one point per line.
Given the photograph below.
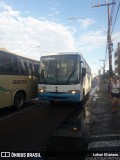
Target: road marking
x=24 y=109
x=10 y=115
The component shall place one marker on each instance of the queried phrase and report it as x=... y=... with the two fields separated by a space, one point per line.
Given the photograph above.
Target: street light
x=37 y=47
x=33 y=50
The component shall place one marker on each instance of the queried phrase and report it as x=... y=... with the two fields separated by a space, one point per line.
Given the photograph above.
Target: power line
x=112 y=9
x=79 y=17
x=115 y=18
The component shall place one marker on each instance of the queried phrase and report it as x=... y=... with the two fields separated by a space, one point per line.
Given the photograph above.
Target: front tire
x=19 y=100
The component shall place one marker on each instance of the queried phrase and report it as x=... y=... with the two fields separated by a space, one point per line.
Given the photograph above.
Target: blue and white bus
x=64 y=77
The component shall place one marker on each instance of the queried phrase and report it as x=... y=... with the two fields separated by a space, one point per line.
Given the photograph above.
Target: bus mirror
x=83 y=72
x=81 y=62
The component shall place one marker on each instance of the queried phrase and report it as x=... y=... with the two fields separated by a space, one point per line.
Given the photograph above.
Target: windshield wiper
x=70 y=75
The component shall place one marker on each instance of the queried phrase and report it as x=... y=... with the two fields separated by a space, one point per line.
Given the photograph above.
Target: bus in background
x=64 y=77
x=18 y=79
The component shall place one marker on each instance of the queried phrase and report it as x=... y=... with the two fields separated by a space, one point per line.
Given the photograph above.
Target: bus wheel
x=19 y=101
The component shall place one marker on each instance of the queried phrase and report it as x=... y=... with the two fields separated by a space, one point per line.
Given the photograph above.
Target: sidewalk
x=106 y=122
x=105 y=131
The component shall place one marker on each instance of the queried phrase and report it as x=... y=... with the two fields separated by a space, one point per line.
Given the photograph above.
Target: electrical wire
x=115 y=18
x=79 y=17
x=112 y=9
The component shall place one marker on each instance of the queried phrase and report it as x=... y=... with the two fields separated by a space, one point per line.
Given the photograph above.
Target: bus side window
x=16 y=68
x=6 y=64
x=24 y=69
x=29 y=68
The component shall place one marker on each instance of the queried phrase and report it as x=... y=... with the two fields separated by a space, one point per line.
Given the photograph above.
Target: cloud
x=92 y=40
x=116 y=37
x=53 y=13
x=7 y=10
x=23 y=34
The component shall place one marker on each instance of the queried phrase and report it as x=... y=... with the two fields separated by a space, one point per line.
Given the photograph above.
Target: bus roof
x=63 y=53
x=6 y=51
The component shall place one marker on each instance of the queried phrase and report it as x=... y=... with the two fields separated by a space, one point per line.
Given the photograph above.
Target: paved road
x=30 y=129
x=69 y=141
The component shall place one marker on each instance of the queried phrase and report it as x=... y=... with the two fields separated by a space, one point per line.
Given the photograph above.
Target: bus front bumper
x=66 y=97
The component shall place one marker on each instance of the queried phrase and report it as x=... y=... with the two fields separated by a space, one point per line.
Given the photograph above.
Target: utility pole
x=110 y=44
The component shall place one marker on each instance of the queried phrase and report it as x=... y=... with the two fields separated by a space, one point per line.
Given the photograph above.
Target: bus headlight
x=41 y=90
x=74 y=91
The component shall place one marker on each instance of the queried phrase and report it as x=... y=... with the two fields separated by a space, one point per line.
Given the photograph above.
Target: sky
x=36 y=28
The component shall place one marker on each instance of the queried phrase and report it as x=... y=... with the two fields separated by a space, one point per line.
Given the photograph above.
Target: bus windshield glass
x=59 y=69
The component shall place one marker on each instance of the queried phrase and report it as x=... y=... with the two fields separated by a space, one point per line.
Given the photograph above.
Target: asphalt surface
x=69 y=141
x=30 y=129
x=38 y=127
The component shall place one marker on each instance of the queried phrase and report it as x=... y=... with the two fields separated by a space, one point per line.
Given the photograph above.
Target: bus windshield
x=59 y=69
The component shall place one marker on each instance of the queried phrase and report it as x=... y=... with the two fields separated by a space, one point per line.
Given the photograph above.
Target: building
x=101 y=71
x=117 y=60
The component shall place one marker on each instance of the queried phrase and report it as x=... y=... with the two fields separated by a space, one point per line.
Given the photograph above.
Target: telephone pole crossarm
x=106 y=4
